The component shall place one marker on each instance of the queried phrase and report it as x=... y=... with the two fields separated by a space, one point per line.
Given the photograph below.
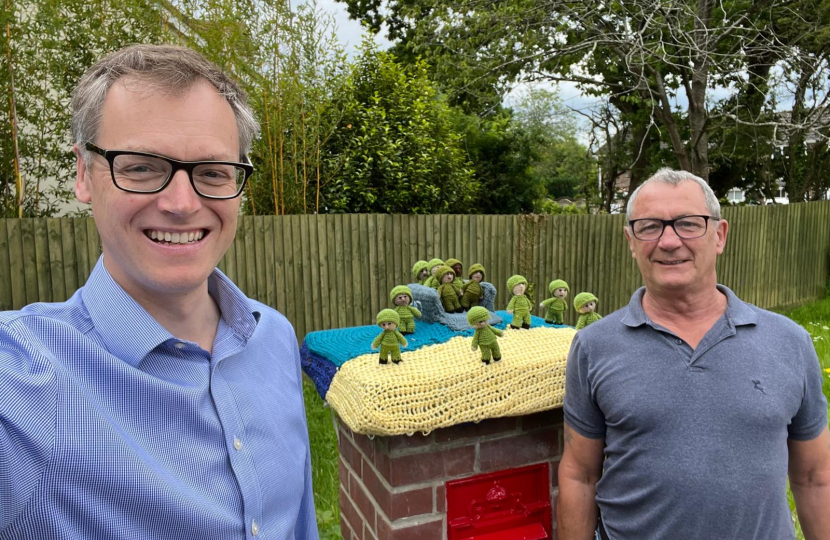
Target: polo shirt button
x=180 y=345
x=679 y=342
x=254 y=528
x=237 y=444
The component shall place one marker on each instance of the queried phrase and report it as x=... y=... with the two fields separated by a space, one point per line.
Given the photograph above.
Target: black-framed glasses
x=140 y=172
x=685 y=227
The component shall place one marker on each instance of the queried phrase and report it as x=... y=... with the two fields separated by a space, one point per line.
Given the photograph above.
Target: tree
x=644 y=51
x=394 y=148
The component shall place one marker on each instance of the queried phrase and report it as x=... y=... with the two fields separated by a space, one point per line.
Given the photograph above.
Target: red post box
x=512 y=504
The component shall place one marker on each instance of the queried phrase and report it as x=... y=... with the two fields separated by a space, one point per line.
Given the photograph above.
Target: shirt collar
x=130 y=333
x=738 y=312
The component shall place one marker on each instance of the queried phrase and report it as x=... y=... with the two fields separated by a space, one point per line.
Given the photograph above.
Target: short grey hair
x=167 y=69
x=673 y=178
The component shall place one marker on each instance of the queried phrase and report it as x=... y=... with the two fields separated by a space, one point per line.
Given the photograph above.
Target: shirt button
x=237 y=444
x=254 y=528
x=180 y=345
x=679 y=342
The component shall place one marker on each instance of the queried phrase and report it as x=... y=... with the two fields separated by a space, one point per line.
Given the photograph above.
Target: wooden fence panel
x=325 y=271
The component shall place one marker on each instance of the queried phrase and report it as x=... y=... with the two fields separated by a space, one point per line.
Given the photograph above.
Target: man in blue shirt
x=686 y=410
x=158 y=402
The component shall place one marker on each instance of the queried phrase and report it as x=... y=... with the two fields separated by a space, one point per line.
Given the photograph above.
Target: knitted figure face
x=519 y=289
x=423 y=274
x=389 y=325
x=448 y=277
x=402 y=300
x=457 y=268
x=480 y=324
x=589 y=307
x=434 y=269
x=561 y=292
x=477 y=277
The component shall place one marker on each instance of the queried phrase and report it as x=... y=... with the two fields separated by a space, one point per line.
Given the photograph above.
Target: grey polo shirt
x=696 y=439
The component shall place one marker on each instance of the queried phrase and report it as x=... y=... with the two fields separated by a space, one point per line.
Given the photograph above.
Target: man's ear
x=83 y=180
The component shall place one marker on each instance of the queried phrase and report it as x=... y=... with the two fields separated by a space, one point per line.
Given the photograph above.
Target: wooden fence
x=332 y=271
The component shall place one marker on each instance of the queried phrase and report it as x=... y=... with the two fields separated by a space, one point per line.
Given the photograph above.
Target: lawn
x=815 y=317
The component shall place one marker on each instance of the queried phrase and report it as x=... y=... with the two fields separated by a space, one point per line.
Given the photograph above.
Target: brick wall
x=392 y=488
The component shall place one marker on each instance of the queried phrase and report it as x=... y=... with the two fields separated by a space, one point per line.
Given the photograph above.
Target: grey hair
x=167 y=69
x=673 y=178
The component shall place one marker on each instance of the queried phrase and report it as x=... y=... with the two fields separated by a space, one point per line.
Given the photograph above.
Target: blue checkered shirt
x=110 y=427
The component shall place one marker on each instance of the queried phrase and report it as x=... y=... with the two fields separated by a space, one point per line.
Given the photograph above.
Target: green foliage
x=325 y=475
x=394 y=149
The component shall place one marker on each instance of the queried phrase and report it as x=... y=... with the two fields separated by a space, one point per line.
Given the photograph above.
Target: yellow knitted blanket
x=447 y=384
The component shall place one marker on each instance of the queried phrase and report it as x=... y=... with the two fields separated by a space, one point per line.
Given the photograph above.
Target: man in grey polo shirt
x=686 y=409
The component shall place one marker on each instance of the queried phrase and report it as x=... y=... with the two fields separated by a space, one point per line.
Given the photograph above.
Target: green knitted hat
x=558 y=284
x=442 y=271
x=515 y=280
x=433 y=263
x=400 y=289
x=475 y=268
x=583 y=298
x=477 y=314
x=452 y=262
x=416 y=269
x=389 y=315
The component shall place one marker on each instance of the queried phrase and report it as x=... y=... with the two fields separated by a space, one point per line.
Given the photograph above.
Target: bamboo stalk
x=19 y=184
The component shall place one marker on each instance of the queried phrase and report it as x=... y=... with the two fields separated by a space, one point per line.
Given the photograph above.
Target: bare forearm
x=576 y=510
x=812 y=502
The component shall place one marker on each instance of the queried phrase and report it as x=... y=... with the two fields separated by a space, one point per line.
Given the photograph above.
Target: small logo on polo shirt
x=758 y=386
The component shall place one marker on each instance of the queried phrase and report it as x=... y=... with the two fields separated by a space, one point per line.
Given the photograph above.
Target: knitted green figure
x=585 y=303
x=519 y=305
x=557 y=305
x=485 y=336
x=457 y=267
x=433 y=267
x=472 y=291
x=447 y=290
x=401 y=296
x=420 y=272
x=390 y=340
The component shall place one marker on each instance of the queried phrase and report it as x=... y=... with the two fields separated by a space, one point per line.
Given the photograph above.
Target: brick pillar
x=392 y=488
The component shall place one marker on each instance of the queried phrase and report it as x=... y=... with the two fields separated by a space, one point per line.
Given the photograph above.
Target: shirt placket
x=236 y=440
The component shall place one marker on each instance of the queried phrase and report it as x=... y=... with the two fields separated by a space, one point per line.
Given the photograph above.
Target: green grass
x=324 y=469
x=815 y=317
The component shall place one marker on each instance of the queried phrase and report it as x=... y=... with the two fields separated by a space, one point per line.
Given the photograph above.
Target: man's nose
x=179 y=197
x=669 y=240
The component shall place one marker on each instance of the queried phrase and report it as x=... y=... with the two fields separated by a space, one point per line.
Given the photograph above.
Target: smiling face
x=561 y=292
x=198 y=124
x=673 y=265
x=402 y=300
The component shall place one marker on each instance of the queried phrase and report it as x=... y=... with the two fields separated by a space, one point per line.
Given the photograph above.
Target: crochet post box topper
x=556 y=306
x=519 y=305
x=485 y=336
x=447 y=290
x=585 y=303
x=390 y=340
x=420 y=272
x=401 y=296
x=472 y=293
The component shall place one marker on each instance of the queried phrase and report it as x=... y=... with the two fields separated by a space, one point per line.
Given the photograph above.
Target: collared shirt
x=110 y=427
x=696 y=439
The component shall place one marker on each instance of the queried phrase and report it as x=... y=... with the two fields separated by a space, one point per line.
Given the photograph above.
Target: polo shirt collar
x=129 y=332
x=738 y=312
